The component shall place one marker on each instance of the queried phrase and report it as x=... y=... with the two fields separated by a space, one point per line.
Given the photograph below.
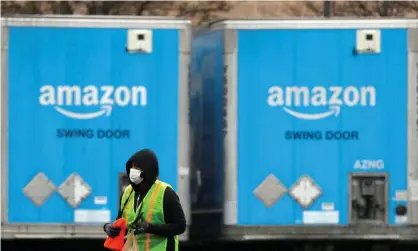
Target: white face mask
x=135 y=176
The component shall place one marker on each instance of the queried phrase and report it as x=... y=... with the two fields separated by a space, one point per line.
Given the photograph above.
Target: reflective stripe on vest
x=152 y=210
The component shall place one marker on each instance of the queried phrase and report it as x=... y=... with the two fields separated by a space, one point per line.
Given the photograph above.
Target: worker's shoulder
x=170 y=196
x=169 y=193
x=127 y=189
x=165 y=185
x=169 y=190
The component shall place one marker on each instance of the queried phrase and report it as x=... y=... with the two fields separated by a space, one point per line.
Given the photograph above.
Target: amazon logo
x=331 y=99
x=64 y=98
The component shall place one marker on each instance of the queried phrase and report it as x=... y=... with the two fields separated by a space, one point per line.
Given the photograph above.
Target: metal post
x=327 y=9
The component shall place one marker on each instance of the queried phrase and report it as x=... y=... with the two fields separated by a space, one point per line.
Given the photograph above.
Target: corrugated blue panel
x=322 y=63
x=84 y=57
x=207 y=118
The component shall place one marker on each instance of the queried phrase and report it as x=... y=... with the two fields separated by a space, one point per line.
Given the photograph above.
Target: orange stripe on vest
x=149 y=216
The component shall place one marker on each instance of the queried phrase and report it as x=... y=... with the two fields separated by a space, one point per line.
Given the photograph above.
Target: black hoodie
x=175 y=222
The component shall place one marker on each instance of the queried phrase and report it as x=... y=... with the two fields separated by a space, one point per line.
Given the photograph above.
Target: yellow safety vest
x=152 y=211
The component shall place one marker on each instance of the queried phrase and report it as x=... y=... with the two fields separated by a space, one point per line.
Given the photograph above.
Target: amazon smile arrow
x=104 y=110
x=333 y=110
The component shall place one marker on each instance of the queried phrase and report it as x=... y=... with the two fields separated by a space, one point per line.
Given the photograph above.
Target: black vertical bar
x=327 y=8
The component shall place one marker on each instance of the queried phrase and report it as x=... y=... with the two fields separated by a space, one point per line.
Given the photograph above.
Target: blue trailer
x=318 y=124
x=80 y=95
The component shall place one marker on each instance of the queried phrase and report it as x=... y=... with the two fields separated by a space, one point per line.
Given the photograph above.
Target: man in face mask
x=150 y=206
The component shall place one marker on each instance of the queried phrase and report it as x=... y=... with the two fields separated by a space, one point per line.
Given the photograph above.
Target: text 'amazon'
x=332 y=98
x=63 y=97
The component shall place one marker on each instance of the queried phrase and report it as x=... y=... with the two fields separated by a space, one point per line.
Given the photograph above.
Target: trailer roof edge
x=95 y=21
x=248 y=24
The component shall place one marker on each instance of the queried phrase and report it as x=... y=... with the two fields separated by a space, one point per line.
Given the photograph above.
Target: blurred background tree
x=197 y=11
x=204 y=11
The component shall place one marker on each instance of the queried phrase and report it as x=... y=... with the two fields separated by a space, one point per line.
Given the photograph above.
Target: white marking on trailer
x=80 y=191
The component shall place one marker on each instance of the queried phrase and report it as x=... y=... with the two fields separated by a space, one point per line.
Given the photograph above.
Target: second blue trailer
x=317 y=122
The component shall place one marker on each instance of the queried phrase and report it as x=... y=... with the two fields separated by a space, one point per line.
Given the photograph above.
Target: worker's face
x=135 y=175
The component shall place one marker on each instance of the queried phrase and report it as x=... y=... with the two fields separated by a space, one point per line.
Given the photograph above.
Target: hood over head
x=147 y=162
